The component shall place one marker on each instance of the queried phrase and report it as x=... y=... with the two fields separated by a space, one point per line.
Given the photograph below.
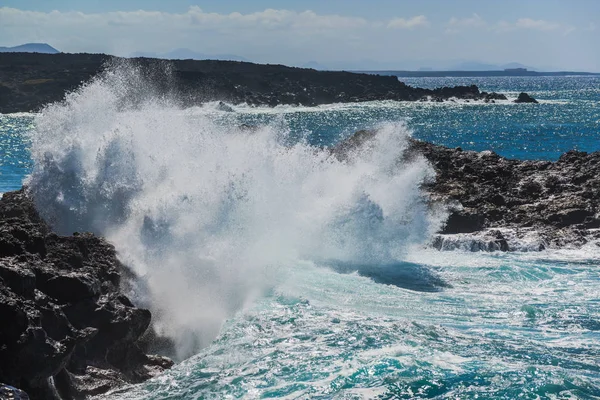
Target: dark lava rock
x=482 y=191
x=561 y=199
x=29 y=81
x=12 y=393
x=66 y=329
x=525 y=98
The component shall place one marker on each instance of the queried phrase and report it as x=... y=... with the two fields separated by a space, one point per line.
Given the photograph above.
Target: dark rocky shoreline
x=493 y=200
x=71 y=332
x=28 y=81
x=559 y=201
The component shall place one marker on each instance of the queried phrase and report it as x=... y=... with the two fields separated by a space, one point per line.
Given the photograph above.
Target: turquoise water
x=511 y=326
x=283 y=274
x=569 y=118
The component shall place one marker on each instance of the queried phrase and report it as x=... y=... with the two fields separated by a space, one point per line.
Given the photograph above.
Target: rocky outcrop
x=67 y=329
x=496 y=203
x=29 y=81
x=525 y=98
x=559 y=200
x=12 y=393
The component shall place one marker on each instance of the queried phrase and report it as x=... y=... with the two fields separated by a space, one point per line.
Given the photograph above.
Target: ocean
x=263 y=257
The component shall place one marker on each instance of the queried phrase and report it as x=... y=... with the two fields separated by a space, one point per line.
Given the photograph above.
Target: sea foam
x=208 y=215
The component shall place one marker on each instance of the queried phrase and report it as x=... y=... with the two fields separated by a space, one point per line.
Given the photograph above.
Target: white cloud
x=418 y=21
x=279 y=32
x=537 y=24
x=475 y=21
x=294 y=37
x=456 y=25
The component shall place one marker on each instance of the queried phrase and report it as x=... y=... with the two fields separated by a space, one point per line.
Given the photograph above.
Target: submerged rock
x=72 y=333
x=221 y=106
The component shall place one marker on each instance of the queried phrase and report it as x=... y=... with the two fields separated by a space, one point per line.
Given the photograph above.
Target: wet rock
x=489 y=241
x=11 y=393
x=464 y=221
x=221 y=106
x=525 y=98
x=561 y=199
x=482 y=190
x=68 y=318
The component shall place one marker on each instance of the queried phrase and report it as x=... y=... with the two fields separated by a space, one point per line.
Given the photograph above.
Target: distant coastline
x=471 y=74
x=29 y=81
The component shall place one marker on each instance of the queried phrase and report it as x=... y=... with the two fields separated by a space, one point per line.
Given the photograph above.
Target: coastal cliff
x=28 y=81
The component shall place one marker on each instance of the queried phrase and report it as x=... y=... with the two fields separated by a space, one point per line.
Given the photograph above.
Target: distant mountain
x=30 y=48
x=474 y=66
x=187 y=54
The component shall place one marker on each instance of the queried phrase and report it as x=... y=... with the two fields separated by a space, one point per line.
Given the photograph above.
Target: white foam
x=208 y=214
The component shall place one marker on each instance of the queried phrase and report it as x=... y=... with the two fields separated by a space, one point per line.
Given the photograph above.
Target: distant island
x=30 y=48
x=460 y=74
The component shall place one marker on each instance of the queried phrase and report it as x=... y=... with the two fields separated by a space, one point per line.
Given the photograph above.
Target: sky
x=351 y=34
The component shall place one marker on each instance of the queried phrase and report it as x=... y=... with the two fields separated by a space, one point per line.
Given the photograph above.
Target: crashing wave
x=209 y=215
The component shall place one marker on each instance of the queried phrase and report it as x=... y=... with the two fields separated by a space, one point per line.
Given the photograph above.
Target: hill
x=30 y=48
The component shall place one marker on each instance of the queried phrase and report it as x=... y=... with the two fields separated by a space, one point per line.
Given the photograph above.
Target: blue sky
x=337 y=33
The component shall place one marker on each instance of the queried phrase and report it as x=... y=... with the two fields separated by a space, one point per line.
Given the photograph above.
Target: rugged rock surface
x=525 y=98
x=12 y=393
x=29 y=81
x=497 y=203
x=558 y=200
x=67 y=329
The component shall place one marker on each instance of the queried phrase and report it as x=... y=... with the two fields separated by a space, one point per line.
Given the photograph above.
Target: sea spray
x=209 y=215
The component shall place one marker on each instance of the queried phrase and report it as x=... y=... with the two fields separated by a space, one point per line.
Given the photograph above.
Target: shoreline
x=30 y=81
x=77 y=334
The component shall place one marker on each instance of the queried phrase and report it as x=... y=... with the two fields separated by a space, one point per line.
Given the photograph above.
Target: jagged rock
x=68 y=318
x=482 y=191
x=12 y=393
x=464 y=221
x=525 y=98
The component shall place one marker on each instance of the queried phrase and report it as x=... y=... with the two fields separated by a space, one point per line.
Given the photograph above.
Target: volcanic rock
x=525 y=98
x=484 y=192
x=559 y=199
x=30 y=81
x=67 y=329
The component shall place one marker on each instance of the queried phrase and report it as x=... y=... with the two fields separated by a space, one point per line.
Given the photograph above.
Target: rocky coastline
x=71 y=332
x=28 y=81
x=500 y=204
x=555 y=201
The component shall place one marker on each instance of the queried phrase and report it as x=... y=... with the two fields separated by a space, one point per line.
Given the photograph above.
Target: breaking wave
x=208 y=215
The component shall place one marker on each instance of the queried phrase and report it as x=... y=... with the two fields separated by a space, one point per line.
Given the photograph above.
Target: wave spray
x=208 y=215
